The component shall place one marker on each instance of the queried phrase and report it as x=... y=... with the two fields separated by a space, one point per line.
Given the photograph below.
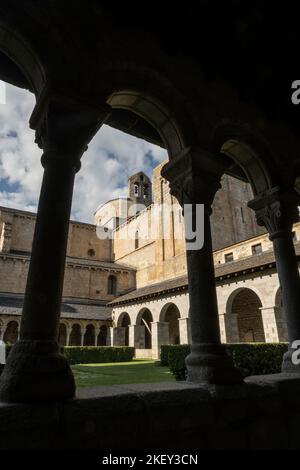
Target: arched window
x=136 y=189
x=136 y=240
x=112 y=285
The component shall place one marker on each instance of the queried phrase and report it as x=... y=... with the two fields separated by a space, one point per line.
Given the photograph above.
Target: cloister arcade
x=248 y=312
x=71 y=332
x=208 y=128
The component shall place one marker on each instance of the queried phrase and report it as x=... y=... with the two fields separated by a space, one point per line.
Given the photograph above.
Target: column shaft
x=42 y=299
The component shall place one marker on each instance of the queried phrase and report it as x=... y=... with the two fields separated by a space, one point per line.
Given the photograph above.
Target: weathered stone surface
x=160 y=416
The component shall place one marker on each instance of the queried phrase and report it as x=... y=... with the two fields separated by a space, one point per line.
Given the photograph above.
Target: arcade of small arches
x=249 y=317
x=71 y=332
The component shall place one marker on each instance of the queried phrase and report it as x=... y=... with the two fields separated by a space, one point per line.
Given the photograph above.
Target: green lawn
x=137 y=371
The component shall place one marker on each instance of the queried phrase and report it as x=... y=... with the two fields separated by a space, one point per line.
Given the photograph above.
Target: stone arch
x=75 y=335
x=170 y=314
x=11 y=332
x=124 y=322
x=144 y=319
x=246 y=305
x=280 y=316
x=24 y=56
x=102 y=336
x=248 y=150
x=155 y=113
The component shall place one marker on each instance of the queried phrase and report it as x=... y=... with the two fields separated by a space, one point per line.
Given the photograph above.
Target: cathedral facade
x=126 y=276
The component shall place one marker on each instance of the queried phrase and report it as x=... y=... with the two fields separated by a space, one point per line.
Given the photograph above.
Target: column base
x=210 y=364
x=288 y=365
x=36 y=372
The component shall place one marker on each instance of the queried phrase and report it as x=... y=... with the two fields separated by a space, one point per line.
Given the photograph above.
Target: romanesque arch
x=154 y=112
x=170 y=314
x=21 y=53
x=144 y=320
x=11 y=332
x=247 y=150
x=246 y=305
x=75 y=336
x=89 y=336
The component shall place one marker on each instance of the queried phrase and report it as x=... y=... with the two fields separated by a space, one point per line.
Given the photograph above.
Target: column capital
x=277 y=210
x=64 y=128
x=194 y=176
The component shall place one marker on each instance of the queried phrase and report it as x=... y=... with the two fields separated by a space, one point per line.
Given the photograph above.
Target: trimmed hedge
x=93 y=354
x=98 y=354
x=250 y=358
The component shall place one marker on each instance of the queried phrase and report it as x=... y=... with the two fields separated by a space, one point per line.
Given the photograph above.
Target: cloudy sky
x=112 y=157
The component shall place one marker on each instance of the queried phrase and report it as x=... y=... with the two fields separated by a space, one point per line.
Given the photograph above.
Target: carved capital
x=194 y=177
x=276 y=210
x=64 y=128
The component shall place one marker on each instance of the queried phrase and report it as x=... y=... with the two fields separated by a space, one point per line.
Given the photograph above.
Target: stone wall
x=17 y=228
x=81 y=280
x=263 y=413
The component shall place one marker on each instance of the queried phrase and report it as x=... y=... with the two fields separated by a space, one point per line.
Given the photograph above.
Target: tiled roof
x=175 y=284
x=11 y=304
x=252 y=263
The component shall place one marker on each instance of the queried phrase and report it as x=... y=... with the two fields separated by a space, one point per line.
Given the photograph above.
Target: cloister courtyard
x=188 y=337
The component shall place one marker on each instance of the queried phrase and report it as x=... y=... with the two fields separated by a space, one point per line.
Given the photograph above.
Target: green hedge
x=250 y=358
x=98 y=354
x=93 y=354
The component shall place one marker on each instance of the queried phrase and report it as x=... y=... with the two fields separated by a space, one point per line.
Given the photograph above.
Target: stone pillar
x=229 y=325
x=68 y=334
x=82 y=333
x=139 y=336
x=281 y=324
x=132 y=335
x=194 y=178
x=119 y=336
x=36 y=371
x=277 y=211
x=160 y=335
x=184 y=330
x=110 y=336
x=268 y=316
x=97 y=332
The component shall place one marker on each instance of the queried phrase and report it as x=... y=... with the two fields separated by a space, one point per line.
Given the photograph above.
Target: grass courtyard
x=134 y=372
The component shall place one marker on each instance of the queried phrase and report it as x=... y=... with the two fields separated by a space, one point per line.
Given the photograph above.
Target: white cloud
x=112 y=157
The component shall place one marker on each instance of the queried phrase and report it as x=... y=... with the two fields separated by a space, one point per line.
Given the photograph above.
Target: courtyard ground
x=136 y=371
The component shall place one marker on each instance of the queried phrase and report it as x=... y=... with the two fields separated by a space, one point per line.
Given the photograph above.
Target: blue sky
x=112 y=156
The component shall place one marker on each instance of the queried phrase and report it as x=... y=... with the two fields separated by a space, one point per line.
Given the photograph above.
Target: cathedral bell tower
x=140 y=189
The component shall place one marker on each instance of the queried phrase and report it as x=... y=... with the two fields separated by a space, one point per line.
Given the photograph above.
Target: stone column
x=277 y=210
x=160 y=335
x=184 y=330
x=268 y=316
x=132 y=336
x=97 y=332
x=139 y=336
x=35 y=370
x=68 y=334
x=110 y=336
x=229 y=324
x=82 y=333
x=194 y=179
